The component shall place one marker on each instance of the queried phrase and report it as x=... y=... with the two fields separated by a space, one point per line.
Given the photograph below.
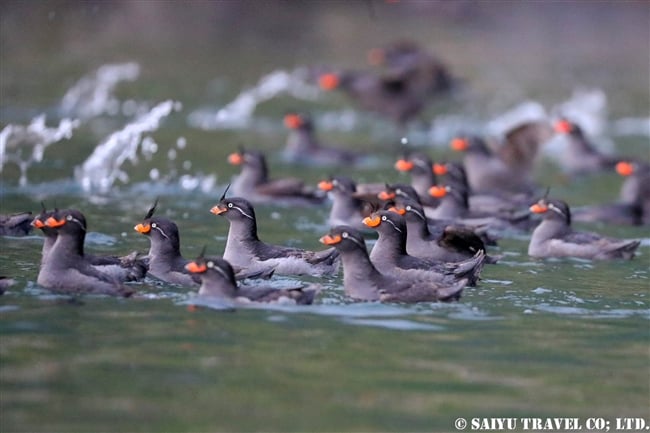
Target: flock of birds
x=434 y=234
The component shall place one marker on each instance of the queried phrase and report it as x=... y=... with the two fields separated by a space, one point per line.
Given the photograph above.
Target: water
x=556 y=338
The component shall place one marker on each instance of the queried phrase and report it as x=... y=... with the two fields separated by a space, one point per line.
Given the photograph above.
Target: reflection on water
x=529 y=340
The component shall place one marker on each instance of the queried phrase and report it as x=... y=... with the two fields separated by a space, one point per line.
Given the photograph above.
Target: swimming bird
x=362 y=280
x=489 y=172
x=17 y=224
x=633 y=205
x=218 y=281
x=255 y=184
x=447 y=243
x=166 y=262
x=426 y=72
x=67 y=270
x=580 y=156
x=420 y=166
x=503 y=165
x=303 y=145
x=554 y=236
x=347 y=208
x=245 y=249
x=130 y=267
x=389 y=95
x=389 y=253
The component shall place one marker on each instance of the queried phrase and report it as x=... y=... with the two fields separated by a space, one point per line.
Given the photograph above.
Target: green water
x=557 y=338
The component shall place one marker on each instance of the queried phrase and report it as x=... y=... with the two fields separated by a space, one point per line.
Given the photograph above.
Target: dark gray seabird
x=633 y=205
x=254 y=183
x=346 y=209
x=554 y=237
x=303 y=145
x=362 y=280
x=166 y=262
x=244 y=248
x=218 y=281
x=390 y=256
x=450 y=243
x=17 y=224
x=65 y=269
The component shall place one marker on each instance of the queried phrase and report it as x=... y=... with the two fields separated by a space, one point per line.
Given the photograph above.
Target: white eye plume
x=161 y=231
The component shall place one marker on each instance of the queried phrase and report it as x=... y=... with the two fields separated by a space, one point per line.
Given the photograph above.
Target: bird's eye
x=154 y=225
x=210 y=264
x=68 y=217
x=344 y=234
x=229 y=204
x=408 y=207
x=383 y=218
x=398 y=191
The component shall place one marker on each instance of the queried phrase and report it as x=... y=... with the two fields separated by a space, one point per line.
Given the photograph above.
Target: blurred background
x=204 y=54
x=505 y=49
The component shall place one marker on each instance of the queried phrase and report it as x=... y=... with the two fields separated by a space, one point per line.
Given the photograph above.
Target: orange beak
x=625 y=168
x=325 y=185
x=538 y=208
x=38 y=223
x=400 y=211
x=404 y=165
x=563 y=126
x=328 y=81
x=196 y=268
x=143 y=228
x=53 y=222
x=385 y=195
x=372 y=221
x=459 y=144
x=439 y=169
x=376 y=57
x=330 y=240
x=438 y=191
x=236 y=158
x=292 y=121
x=219 y=209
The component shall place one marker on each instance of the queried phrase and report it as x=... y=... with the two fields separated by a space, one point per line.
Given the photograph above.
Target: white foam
x=238 y=113
x=93 y=94
x=104 y=166
x=25 y=145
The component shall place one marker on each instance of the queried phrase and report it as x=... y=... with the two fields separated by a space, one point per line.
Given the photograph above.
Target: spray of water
x=104 y=166
x=25 y=145
x=238 y=113
x=93 y=95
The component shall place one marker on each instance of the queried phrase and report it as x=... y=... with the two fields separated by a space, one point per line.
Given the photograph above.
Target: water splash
x=238 y=113
x=103 y=167
x=25 y=145
x=527 y=111
x=93 y=95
